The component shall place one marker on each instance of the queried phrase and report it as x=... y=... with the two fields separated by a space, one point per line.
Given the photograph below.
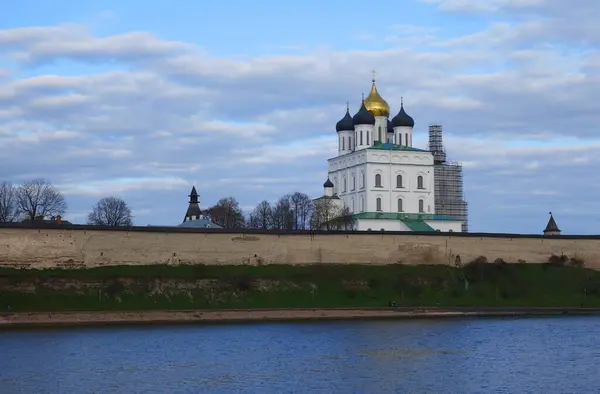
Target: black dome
x=390 y=126
x=403 y=119
x=345 y=123
x=363 y=116
x=328 y=183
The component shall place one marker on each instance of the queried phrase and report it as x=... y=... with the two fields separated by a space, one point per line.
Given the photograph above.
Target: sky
x=142 y=100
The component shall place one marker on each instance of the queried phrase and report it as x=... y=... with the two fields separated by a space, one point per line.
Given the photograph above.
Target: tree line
x=38 y=199
x=294 y=211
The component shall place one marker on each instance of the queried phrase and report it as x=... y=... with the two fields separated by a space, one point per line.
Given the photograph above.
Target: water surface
x=545 y=355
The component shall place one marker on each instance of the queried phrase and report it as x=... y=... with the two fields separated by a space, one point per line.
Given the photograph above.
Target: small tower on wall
x=193 y=212
x=551 y=227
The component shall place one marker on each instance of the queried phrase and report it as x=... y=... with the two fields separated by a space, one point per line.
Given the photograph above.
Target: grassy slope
x=489 y=284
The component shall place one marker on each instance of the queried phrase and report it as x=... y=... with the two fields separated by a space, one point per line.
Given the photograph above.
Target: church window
x=362 y=204
x=368 y=137
x=406 y=140
x=343 y=143
x=399 y=181
x=421 y=206
x=399 y=138
x=352 y=206
x=400 y=207
x=361 y=137
x=378 y=203
x=362 y=180
x=378 y=180
x=420 y=182
x=344 y=186
x=380 y=135
x=353 y=181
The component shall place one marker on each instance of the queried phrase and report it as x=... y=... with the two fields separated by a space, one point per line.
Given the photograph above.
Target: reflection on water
x=552 y=355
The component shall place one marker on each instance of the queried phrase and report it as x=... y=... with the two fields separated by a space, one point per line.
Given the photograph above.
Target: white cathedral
x=385 y=182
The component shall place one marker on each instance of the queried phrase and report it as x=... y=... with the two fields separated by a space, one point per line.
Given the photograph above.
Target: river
x=478 y=355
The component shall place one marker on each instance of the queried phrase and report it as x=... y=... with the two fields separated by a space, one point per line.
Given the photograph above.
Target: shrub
x=521 y=261
x=479 y=260
x=500 y=261
x=576 y=262
x=243 y=284
x=558 y=261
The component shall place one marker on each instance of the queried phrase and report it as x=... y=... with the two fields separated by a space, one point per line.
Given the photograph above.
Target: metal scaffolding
x=448 y=181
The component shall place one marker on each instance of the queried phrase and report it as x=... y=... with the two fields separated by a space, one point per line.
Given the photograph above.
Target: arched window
x=380 y=135
x=353 y=181
x=378 y=203
x=378 y=180
x=421 y=206
x=362 y=204
x=406 y=140
x=343 y=143
x=399 y=138
x=345 y=185
x=399 y=181
x=362 y=180
x=352 y=206
x=400 y=207
x=361 y=137
x=420 y=182
x=368 y=137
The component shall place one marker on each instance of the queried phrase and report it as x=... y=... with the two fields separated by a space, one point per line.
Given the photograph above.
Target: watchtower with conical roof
x=552 y=227
x=193 y=212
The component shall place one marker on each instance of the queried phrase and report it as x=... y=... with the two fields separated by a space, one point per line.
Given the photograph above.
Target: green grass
x=285 y=286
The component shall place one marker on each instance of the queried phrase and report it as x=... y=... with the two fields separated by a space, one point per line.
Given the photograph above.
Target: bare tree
x=344 y=221
x=324 y=213
x=226 y=213
x=9 y=211
x=39 y=198
x=301 y=205
x=283 y=215
x=112 y=212
x=262 y=216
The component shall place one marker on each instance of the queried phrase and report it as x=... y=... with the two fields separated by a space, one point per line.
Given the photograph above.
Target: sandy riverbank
x=38 y=319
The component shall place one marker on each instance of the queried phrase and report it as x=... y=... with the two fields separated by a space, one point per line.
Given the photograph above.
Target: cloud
x=517 y=104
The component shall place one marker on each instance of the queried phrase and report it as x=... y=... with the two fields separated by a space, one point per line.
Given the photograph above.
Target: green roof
x=417 y=225
x=389 y=146
x=334 y=197
x=401 y=216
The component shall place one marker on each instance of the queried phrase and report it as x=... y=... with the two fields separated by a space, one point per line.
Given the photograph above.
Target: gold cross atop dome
x=375 y=103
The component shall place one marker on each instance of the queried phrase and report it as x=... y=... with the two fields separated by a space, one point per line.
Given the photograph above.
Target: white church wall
x=378 y=224
x=380 y=129
x=388 y=165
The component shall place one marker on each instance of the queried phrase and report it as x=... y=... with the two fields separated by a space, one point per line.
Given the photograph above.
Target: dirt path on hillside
x=161 y=317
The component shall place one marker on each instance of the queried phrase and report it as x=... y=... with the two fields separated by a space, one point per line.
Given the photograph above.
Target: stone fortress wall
x=67 y=246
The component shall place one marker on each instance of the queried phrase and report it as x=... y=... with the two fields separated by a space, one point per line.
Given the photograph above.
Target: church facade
x=385 y=182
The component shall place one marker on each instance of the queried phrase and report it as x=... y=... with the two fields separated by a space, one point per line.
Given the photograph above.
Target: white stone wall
x=345 y=142
x=380 y=129
x=363 y=136
x=354 y=176
x=410 y=165
x=403 y=136
x=347 y=173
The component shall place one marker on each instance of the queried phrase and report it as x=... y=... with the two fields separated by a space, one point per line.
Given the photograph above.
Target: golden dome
x=376 y=104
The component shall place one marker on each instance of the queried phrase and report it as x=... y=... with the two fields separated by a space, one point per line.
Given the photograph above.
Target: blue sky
x=144 y=99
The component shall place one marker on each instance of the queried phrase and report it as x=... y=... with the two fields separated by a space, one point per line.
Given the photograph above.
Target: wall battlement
x=48 y=245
